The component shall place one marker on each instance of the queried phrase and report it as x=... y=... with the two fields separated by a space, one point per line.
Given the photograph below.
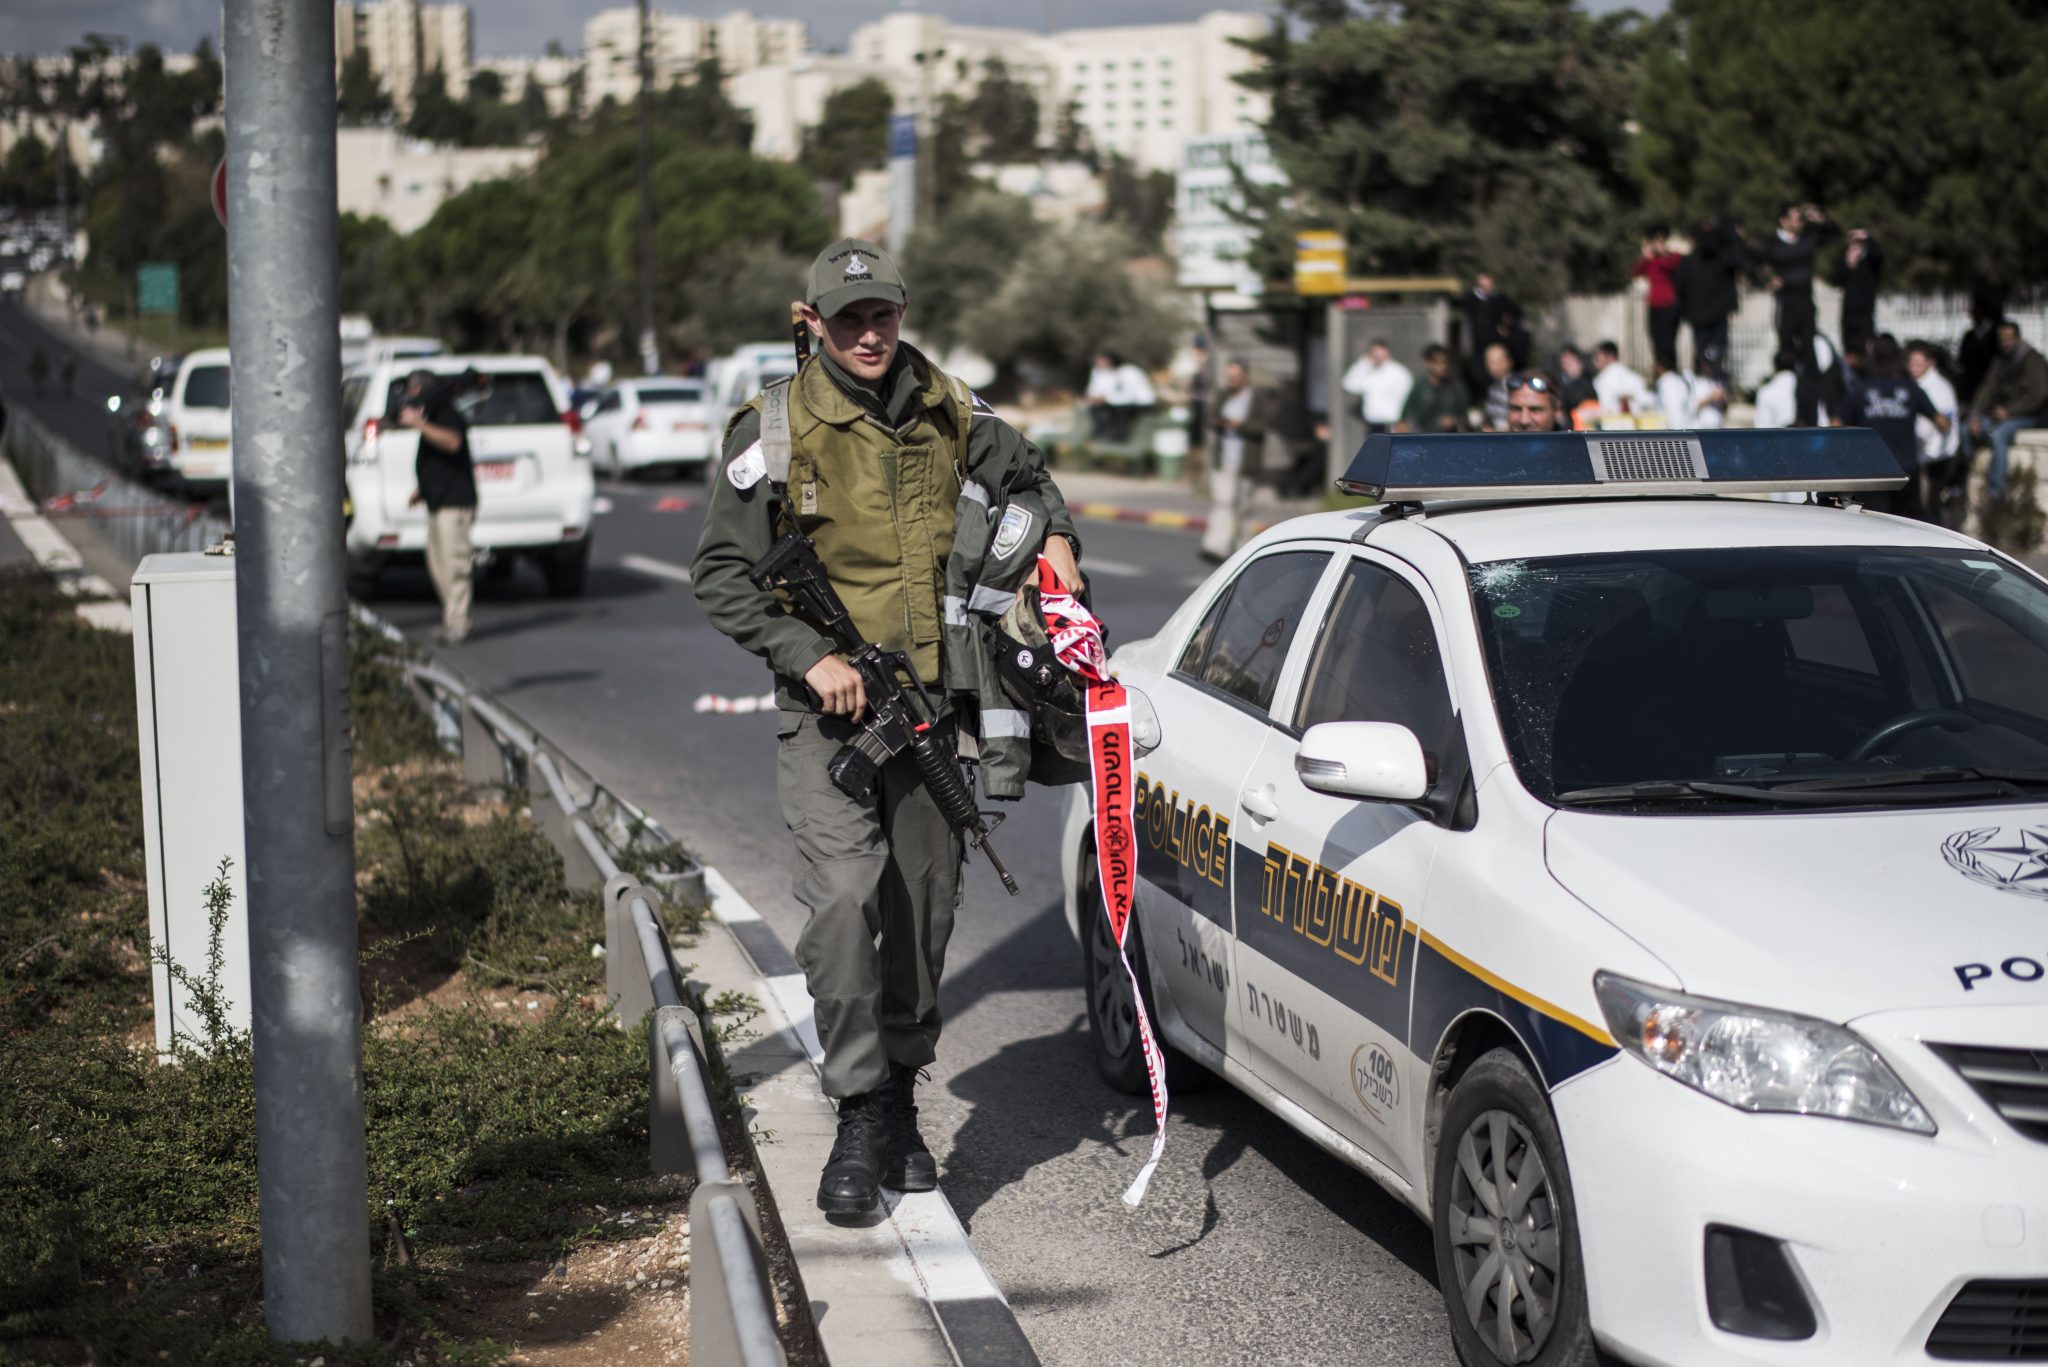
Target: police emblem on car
x=2018 y=863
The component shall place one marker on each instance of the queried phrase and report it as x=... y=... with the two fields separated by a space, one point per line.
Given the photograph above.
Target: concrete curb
x=904 y=1289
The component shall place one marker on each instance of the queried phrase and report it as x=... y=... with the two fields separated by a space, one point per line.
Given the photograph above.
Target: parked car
x=734 y=379
x=1646 y=890
x=196 y=416
x=140 y=435
x=651 y=424
x=535 y=492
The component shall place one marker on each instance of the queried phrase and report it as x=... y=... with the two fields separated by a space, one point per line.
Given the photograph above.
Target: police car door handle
x=1259 y=802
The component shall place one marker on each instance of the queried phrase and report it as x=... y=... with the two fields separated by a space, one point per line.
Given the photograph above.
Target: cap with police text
x=850 y=271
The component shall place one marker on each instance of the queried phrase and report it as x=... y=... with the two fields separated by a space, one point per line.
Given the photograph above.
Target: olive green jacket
x=739 y=527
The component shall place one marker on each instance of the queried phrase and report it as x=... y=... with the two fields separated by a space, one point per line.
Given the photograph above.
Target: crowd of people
x=1934 y=407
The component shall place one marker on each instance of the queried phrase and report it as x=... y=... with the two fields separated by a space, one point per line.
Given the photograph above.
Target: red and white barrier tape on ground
x=718 y=702
x=1077 y=640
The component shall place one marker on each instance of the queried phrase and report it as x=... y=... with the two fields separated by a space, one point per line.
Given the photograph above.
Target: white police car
x=1648 y=887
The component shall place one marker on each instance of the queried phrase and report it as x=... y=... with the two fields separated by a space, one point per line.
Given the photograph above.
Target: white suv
x=535 y=493
x=197 y=415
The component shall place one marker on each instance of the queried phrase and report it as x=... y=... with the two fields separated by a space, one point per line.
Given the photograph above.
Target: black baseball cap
x=850 y=271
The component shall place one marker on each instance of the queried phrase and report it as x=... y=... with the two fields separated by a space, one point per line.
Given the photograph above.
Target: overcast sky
x=523 y=27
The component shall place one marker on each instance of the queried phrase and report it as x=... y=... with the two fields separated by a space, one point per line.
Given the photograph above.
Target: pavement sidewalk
x=901 y=1288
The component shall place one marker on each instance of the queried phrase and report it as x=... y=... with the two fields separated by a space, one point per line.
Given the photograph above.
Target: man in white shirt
x=1935 y=444
x=1947 y=476
x=1619 y=389
x=1777 y=402
x=1117 y=393
x=1382 y=384
x=1687 y=400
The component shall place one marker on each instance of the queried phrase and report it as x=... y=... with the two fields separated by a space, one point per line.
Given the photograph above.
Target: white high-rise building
x=404 y=40
x=740 y=41
x=1140 y=90
x=1143 y=90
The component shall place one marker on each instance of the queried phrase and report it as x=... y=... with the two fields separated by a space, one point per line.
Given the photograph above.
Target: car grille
x=1994 y=1321
x=2014 y=1081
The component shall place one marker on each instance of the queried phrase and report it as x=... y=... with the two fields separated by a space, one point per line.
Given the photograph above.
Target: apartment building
x=740 y=41
x=1141 y=90
x=405 y=39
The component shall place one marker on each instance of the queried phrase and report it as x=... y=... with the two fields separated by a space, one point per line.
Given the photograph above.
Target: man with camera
x=868 y=452
x=445 y=481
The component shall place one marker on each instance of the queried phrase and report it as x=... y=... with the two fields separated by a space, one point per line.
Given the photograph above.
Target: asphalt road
x=1252 y=1246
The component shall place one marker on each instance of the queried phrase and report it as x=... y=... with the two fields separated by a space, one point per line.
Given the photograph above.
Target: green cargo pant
x=881 y=879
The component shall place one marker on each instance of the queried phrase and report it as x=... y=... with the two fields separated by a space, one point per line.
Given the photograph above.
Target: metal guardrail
x=732 y=1319
x=128 y=519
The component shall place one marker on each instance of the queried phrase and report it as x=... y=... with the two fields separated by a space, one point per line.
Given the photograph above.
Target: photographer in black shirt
x=447 y=485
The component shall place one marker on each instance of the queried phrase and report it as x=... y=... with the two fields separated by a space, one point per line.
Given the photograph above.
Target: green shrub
x=129 y=1228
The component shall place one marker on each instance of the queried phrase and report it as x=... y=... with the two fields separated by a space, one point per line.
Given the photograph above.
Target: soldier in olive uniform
x=877 y=441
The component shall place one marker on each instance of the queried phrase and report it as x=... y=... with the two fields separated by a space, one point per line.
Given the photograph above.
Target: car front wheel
x=1112 y=1010
x=1506 y=1227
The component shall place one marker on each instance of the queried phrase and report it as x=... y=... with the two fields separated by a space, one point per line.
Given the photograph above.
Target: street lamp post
x=292 y=643
x=650 y=346
x=927 y=197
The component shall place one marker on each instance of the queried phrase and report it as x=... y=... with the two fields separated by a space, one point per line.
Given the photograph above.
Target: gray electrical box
x=188 y=711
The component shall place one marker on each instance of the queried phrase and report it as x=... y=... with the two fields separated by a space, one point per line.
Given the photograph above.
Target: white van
x=197 y=417
x=535 y=492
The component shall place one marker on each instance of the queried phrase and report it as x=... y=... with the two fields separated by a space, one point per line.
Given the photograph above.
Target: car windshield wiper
x=1934 y=773
x=1968 y=785
x=1665 y=790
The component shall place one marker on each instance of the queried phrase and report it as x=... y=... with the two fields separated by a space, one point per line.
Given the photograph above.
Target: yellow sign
x=1319 y=263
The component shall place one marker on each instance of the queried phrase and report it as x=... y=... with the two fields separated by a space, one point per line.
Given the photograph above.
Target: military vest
x=878 y=502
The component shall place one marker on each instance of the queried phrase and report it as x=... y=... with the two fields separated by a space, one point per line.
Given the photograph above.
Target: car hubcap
x=1504 y=1237
x=1116 y=1013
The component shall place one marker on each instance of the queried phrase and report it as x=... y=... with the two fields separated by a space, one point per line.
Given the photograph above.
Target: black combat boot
x=853 y=1173
x=911 y=1166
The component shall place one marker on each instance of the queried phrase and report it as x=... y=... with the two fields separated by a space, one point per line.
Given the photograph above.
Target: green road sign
x=156 y=287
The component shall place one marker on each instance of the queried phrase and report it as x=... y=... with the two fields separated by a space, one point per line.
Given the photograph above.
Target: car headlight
x=1755 y=1059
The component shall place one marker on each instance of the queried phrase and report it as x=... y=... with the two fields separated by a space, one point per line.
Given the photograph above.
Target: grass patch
x=503 y=1132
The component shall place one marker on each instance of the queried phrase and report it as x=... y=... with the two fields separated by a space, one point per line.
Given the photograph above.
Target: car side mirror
x=1371 y=759
x=1145 y=730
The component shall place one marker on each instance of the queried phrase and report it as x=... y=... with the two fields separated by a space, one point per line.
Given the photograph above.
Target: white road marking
x=655 y=569
x=1115 y=569
x=601 y=505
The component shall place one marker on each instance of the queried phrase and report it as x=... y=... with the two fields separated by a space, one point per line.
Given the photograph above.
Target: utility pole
x=650 y=347
x=927 y=182
x=292 y=615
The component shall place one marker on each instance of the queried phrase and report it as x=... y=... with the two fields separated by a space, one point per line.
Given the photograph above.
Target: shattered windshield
x=1687 y=675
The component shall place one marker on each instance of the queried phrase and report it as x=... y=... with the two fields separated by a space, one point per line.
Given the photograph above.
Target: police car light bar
x=1396 y=468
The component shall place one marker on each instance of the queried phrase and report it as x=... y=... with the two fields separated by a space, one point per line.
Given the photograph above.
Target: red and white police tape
x=1077 y=640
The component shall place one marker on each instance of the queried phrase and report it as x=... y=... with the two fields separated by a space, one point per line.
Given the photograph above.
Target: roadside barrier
x=732 y=1309
x=128 y=519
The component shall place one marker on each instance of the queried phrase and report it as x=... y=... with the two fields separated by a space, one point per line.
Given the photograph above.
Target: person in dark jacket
x=2013 y=398
x=1486 y=308
x=1858 y=276
x=1888 y=402
x=445 y=481
x=1979 y=346
x=1705 y=291
x=1439 y=402
x=1789 y=255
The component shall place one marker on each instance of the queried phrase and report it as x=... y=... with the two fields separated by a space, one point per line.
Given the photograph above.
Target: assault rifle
x=894 y=724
